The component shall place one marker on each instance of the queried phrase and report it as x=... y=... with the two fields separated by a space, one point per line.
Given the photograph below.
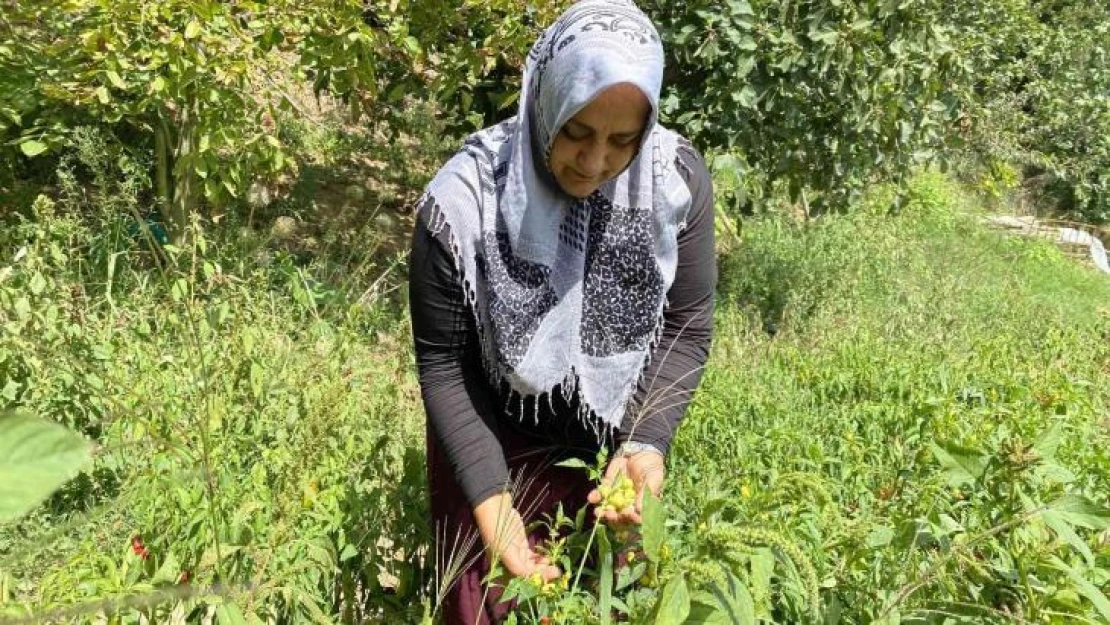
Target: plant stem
x=586 y=553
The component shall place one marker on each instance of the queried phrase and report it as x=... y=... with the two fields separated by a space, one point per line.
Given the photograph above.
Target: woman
x=561 y=284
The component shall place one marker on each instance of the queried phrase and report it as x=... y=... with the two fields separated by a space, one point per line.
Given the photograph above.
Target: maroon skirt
x=469 y=601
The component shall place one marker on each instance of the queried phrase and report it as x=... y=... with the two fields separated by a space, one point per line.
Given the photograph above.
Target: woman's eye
x=624 y=143
x=572 y=135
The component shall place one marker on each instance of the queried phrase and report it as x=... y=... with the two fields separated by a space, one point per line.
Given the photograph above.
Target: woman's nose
x=591 y=160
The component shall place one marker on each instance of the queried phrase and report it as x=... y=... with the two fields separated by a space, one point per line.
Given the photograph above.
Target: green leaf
x=1085 y=588
x=1078 y=510
x=763 y=567
x=963 y=465
x=1065 y=532
x=827 y=36
x=168 y=572
x=115 y=79
x=729 y=603
x=605 y=582
x=740 y=7
x=674 y=603
x=37 y=284
x=36 y=458
x=880 y=537
x=32 y=147
x=1048 y=442
x=746 y=97
x=10 y=391
x=652 y=528
x=192 y=30
x=573 y=463
x=103 y=95
x=229 y=614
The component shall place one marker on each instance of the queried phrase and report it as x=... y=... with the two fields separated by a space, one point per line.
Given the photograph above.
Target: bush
x=1037 y=94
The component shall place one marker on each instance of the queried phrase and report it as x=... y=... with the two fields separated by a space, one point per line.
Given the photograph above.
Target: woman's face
x=600 y=141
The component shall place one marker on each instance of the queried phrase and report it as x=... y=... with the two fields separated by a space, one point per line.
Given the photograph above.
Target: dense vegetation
x=204 y=223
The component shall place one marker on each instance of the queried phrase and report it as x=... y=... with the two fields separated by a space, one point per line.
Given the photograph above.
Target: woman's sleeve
x=677 y=363
x=457 y=398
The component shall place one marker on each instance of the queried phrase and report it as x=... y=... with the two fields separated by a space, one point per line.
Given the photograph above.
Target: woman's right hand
x=504 y=535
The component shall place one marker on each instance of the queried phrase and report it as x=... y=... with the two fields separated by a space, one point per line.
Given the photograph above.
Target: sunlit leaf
x=652 y=528
x=32 y=147
x=674 y=602
x=1080 y=511
x=36 y=458
x=962 y=465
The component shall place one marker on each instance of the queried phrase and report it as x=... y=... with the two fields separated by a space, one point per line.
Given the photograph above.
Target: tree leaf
x=32 y=147
x=192 y=30
x=36 y=458
x=168 y=573
x=115 y=79
x=827 y=36
x=674 y=603
x=1047 y=443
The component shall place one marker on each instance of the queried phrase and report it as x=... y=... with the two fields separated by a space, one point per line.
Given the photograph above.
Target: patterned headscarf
x=567 y=292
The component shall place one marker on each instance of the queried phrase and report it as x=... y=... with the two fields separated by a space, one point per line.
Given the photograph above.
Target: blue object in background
x=157 y=230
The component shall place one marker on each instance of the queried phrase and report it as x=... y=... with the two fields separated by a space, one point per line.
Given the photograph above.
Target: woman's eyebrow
x=590 y=129
x=628 y=135
x=580 y=126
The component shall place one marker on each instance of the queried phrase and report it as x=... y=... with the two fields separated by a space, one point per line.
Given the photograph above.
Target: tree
x=197 y=82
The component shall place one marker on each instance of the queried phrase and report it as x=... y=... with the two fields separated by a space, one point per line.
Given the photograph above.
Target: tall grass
x=846 y=348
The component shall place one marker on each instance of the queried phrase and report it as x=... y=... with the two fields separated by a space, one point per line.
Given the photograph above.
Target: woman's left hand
x=646 y=469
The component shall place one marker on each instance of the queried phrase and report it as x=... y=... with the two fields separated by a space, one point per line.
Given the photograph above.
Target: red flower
x=138 y=547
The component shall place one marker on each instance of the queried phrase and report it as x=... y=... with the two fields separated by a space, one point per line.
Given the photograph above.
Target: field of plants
x=208 y=402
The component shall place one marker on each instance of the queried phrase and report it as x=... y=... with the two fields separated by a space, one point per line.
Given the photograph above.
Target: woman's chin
x=578 y=190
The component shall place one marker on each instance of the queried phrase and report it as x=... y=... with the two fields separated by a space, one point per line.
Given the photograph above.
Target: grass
x=261 y=429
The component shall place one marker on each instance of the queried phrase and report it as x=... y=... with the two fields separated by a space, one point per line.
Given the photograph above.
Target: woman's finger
x=617 y=467
x=550 y=573
x=629 y=516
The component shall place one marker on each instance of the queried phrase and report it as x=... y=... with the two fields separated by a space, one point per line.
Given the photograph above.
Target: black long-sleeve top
x=466 y=413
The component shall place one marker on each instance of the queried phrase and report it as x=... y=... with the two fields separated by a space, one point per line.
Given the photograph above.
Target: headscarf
x=567 y=293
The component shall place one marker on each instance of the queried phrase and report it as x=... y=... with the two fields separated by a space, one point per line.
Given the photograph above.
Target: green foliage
x=198 y=85
x=919 y=436
x=36 y=457
x=903 y=427
x=821 y=97
x=1036 y=96
x=471 y=56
